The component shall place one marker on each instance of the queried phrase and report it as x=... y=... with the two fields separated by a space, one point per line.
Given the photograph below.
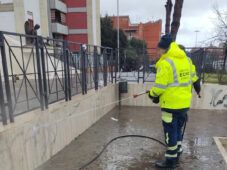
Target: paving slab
x=200 y=150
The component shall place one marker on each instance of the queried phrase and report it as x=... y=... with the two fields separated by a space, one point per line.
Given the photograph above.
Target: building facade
x=73 y=20
x=14 y=14
x=150 y=32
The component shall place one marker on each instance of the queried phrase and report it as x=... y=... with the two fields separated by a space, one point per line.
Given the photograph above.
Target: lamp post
x=118 y=38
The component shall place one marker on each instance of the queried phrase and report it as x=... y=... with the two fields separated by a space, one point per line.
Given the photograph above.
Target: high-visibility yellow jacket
x=175 y=76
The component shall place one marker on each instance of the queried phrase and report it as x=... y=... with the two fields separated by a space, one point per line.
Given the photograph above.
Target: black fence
x=211 y=66
x=37 y=71
x=210 y=63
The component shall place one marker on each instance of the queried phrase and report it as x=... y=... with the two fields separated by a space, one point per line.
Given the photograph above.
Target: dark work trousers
x=173 y=122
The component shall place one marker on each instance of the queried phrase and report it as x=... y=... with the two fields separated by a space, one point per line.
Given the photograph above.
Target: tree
x=221 y=19
x=168 y=7
x=176 y=17
x=135 y=54
x=109 y=34
x=132 y=52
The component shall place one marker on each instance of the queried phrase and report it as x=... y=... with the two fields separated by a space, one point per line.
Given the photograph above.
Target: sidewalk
x=200 y=151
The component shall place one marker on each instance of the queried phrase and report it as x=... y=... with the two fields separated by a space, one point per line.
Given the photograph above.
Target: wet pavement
x=200 y=151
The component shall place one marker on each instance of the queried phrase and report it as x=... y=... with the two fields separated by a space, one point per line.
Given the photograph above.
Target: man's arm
x=195 y=79
x=161 y=80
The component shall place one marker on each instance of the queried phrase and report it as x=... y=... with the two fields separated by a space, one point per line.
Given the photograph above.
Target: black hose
x=114 y=139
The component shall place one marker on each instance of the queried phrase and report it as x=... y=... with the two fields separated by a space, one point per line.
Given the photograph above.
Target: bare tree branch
x=168 y=6
x=176 y=18
x=221 y=24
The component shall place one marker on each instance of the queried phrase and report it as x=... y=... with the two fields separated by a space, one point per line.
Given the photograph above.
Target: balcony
x=59 y=5
x=59 y=28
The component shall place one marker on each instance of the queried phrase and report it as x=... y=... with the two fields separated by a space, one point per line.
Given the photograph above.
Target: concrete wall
x=7 y=17
x=44 y=18
x=214 y=97
x=19 y=15
x=6 y=1
x=36 y=136
x=16 y=13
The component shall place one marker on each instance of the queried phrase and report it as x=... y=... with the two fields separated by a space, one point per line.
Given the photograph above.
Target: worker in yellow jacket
x=173 y=89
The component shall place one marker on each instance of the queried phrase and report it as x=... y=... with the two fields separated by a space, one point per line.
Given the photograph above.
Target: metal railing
x=48 y=70
x=211 y=64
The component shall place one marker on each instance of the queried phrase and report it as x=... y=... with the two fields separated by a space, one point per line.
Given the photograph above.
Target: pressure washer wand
x=139 y=94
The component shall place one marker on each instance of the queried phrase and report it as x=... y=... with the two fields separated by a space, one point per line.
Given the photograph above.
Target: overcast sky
x=196 y=15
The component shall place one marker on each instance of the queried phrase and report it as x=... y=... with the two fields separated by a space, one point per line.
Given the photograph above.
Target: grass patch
x=215 y=78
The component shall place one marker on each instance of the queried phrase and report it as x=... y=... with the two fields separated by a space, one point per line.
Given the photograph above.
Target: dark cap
x=165 y=41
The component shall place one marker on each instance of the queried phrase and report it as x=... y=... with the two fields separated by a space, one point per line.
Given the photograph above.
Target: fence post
x=6 y=78
x=83 y=70
x=116 y=66
x=144 y=67
x=96 y=76
x=203 y=66
x=2 y=103
x=43 y=72
x=65 y=71
x=111 y=65
x=39 y=72
x=68 y=73
x=105 y=67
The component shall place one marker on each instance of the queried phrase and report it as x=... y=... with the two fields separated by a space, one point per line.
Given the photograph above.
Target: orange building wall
x=150 y=32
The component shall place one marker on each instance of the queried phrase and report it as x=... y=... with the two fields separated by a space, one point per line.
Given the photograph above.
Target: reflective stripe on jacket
x=174 y=78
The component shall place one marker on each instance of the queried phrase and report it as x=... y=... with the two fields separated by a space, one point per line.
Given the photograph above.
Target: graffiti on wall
x=218 y=98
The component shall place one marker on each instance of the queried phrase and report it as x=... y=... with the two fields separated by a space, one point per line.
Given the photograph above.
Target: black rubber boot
x=179 y=153
x=166 y=164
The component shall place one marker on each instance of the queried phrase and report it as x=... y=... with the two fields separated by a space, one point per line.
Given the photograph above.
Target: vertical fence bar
x=85 y=59
x=105 y=67
x=68 y=73
x=203 y=66
x=116 y=66
x=144 y=67
x=83 y=70
x=111 y=65
x=65 y=71
x=44 y=73
x=96 y=78
x=2 y=103
x=6 y=78
x=39 y=72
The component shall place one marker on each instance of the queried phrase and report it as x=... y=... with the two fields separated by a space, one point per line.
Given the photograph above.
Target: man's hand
x=197 y=87
x=154 y=99
x=149 y=95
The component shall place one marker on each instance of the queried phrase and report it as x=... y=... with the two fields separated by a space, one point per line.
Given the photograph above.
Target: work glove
x=154 y=99
x=197 y=87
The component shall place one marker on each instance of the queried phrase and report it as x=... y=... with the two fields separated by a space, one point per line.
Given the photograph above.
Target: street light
x=118 y=38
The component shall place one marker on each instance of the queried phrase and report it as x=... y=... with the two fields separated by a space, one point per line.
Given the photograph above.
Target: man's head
x=164 y=44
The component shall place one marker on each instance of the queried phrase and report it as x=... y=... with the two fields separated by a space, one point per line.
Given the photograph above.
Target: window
x=57 y=16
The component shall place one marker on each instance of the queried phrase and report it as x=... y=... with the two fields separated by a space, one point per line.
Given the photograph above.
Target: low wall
x=214 y=97
x=36 y=136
